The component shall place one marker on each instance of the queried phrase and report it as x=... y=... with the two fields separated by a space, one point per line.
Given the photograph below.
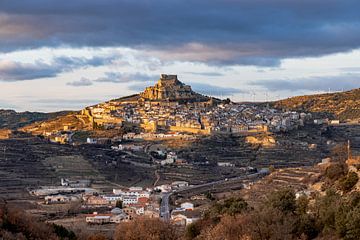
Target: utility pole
x=349 y=150
x=5 y=153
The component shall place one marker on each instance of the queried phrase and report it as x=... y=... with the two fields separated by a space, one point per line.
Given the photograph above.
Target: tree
x=63 y=233
x=230 y=206
x=146 y=229
x=97 y=236
x=192 y=231
x=283 y=200
x=326 y=208
x=339 y=153
x=335 y=171
x=353 y=225
x=119 y=204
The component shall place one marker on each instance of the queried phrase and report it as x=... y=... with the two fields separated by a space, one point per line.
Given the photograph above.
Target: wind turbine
x=253 y=94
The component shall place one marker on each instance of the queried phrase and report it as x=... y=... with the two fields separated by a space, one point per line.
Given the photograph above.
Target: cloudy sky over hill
x=69 y=54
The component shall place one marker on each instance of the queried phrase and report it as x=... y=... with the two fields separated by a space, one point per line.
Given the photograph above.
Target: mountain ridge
x=341 y=105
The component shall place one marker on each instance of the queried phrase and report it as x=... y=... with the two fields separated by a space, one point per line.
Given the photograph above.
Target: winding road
x=165 y=208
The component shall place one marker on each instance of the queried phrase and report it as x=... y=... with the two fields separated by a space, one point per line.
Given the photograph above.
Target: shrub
x=283 y=200
x=348 y=182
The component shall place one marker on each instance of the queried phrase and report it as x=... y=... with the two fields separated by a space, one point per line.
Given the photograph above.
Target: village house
x=185 y=218
x=96 y=200
x=56 y=199
x=187 y=206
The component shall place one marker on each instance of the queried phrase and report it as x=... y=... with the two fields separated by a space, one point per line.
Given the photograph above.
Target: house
x=82 y=183
x=97 y=200
x=128 y=200
x=143 y=200
x=91 y=141
x=225 y=164
x=188 y=206
x=179 y=184
x=334 y=122
x=56 y=199
x=116 y=211
x=118 y=218
x=185 y=217
x=96 y=218
x=112 y=198
x=163 y=188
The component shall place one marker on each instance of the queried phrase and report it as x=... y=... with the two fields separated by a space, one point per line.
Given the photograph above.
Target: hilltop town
x=171 y=108
x=166 y=153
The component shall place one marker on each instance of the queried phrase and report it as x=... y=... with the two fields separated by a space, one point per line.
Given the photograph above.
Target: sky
x=57 y=55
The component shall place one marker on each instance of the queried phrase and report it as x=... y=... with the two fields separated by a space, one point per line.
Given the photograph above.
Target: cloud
x=16 y=71
x=334 y=83
x=215 y=32
x=80 y=83
x=11 y=71
x=57 y=104
x=206 y=74
x=4 y=104
x=213 y=90
x=74 y=62
x=117 y=77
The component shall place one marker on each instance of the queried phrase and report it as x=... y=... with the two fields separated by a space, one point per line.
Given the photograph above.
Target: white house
x=128 y=200
x=187 y=206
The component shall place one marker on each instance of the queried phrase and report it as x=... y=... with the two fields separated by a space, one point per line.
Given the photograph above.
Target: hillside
x=342 y=105
x=11 y=119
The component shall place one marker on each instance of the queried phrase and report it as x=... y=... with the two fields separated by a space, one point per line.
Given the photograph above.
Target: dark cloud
x=117 y=77
x=15 y=71
x=245 y=32
x=334 y=83
x=80 y=83
x=11 y=71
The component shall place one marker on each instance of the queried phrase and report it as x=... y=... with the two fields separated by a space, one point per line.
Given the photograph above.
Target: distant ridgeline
x=10 y=119
x=341 y=105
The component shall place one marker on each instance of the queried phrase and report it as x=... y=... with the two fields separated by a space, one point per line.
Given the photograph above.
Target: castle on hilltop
x=170 y=88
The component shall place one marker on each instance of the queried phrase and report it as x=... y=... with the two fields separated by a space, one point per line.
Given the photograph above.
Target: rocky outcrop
x=170 y=88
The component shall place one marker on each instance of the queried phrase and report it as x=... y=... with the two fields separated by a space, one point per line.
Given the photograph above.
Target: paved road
x=219 y=182
x=165 y=208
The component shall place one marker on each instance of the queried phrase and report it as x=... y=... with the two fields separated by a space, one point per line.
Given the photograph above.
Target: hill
x=10 y=119
x=167 y=91
x=341 y=105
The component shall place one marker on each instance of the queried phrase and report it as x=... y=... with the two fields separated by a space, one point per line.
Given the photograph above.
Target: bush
x=283 y=200
x=348 y=182
x=63 y=233
x=230 y=206
x=146 y=228
x=335 y=171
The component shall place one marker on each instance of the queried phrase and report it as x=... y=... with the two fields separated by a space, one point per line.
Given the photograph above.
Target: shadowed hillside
x=342 y=105
x=11 y=119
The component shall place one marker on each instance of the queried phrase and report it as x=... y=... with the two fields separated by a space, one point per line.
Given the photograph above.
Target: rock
x=170 y=88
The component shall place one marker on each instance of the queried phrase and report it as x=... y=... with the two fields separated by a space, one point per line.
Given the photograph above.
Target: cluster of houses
x=121 y=205
x=175 y=118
